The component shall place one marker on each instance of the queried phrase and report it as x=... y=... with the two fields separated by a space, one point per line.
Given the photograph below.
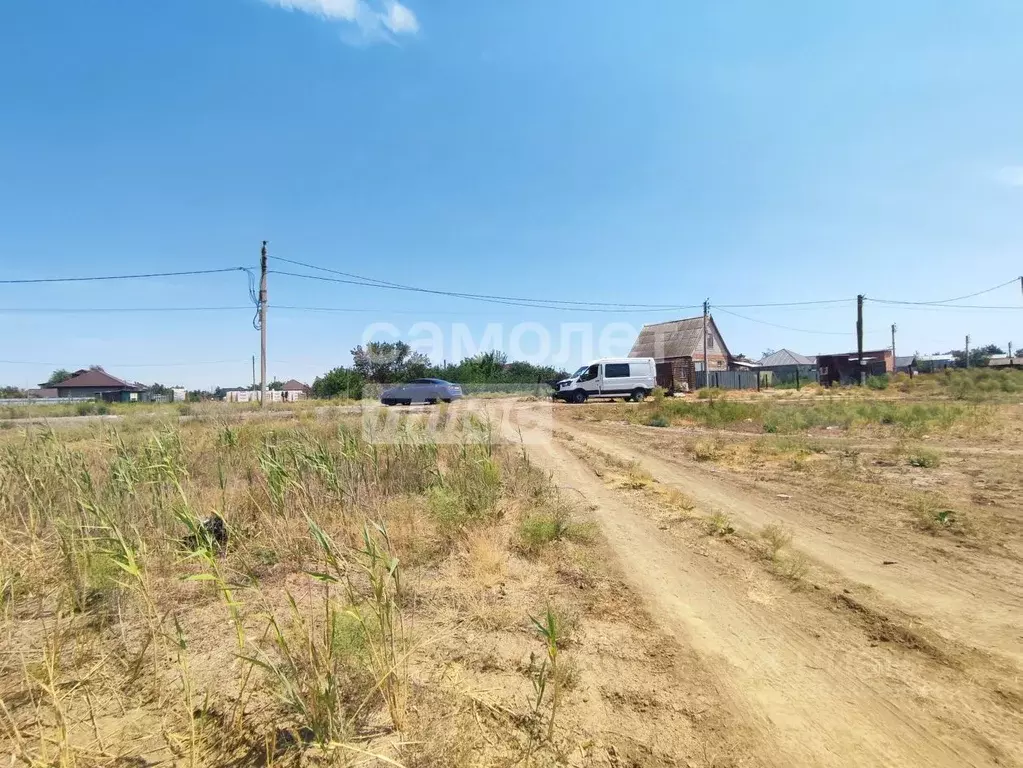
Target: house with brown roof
x=294 y=389
x=677 y=348
x=97 y=383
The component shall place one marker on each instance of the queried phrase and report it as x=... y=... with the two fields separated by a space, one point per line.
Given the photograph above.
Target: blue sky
x=655 y=152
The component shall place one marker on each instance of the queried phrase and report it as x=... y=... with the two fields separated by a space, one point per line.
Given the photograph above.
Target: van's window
x=590 y=374
x=616 y=370
x=579 y=373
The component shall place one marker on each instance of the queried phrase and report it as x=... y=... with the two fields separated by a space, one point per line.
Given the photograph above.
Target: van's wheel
x=579 y=397
x=638 y=395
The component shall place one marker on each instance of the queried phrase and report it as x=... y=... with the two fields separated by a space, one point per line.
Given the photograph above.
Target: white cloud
x=400 y=20
x=1010 y=175
x=375 y=20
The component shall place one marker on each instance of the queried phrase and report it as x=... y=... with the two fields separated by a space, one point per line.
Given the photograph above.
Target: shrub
x=924 y=458
x=878 y=382
x=719 y=524
x=657 y=421
x=658 y=394
x=704 y=450
x=538 y=529
x=85 y=409
x=776 y=539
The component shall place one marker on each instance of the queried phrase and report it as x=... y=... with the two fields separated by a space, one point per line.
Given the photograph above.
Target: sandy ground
x=875 y=657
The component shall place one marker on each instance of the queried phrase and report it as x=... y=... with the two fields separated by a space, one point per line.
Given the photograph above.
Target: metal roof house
x=786 y=360
x=88 y=382
x=786 y=366
x=677 y=348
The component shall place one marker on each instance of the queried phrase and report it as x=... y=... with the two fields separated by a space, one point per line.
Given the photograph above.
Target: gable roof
x=785 y=357
x=87 y=379
x=676 y=338
x=904 y=361
x=294 y=385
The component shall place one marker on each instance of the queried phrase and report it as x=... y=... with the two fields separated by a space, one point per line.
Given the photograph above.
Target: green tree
x=979 y=356
x=389 y=361
x=275 y=384
x=339 y=382
x=59 y=375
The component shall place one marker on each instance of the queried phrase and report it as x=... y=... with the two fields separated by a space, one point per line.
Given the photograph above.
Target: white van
x=624 y=377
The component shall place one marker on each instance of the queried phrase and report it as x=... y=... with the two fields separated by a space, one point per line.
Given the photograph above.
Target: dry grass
x=309 y=636
x=775 y=539
x=719 y=524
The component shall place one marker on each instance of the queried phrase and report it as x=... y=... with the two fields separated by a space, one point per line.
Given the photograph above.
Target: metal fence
x=45 y=400
x=727 y=379
x=792 y=379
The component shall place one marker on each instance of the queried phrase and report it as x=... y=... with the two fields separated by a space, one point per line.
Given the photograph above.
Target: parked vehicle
x=631 y=378
x=421 y=391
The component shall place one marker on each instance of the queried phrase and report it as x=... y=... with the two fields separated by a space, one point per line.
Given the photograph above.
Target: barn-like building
x=677 y=347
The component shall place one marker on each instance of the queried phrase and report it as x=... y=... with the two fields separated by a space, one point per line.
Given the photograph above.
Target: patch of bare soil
x=967 y=593
x=819 y=675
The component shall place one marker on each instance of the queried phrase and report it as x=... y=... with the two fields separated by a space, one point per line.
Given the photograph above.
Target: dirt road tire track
x=812 y=695
x=966 y=610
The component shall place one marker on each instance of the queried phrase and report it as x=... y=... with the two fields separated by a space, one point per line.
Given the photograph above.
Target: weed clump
x=719 y=524
x=775 y=539
x=924 y=458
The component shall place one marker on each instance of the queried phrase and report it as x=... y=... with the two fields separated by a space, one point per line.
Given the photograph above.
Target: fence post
x=797 y=377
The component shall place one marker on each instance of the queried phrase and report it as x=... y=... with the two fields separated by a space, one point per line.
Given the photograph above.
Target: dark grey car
x=421 y=391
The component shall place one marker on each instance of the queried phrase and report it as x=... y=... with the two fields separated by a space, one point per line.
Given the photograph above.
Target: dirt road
x=964 y=607
x=807 y=672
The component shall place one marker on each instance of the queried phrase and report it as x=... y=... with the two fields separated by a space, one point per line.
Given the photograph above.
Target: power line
x=786 y=303
x=104 y=310
x=785 y=327
x=947 y=301
x=130 y=365
x=507 y=300
x=122 y=277
x=940 y=307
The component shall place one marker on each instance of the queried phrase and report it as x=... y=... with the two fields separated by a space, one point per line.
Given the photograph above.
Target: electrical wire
x=374 y=282
x=786 y=327
x=122 y=277
x=104 y=310
x=133 y=365
x=507 y=300
x=947 y=301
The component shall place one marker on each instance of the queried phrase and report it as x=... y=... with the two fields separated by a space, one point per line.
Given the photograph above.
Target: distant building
x=677 y=348
x=905 y=363
x=932 y=363
x=43 y=392
x=1004 y=361
x=785 y=361
x=843 y=368
x=97 y=384
x=294 y=389
x=179 y=394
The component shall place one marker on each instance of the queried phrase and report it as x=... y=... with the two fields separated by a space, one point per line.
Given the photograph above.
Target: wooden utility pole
x=894 y=328
x=253 y=373
x=706 y=370
x=967 y=350
x=1010 y=354
x=262 y=327
x=861 y=377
